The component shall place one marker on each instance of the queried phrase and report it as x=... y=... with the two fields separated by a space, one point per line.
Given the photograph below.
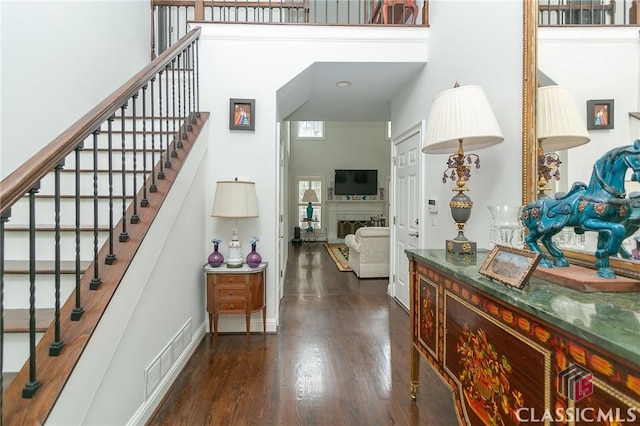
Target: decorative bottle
x=216 y=259
x=253 y=258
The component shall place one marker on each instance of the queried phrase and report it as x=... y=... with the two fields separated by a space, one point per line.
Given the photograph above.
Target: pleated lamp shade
x=309 y=196
x=235 y=199
x=461 y=113
x=559 y=124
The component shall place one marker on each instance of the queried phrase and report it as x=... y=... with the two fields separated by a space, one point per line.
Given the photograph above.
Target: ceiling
x=313 y=94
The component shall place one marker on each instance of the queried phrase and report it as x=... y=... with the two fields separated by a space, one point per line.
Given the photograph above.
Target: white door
x=406 y=208
x=282 y=241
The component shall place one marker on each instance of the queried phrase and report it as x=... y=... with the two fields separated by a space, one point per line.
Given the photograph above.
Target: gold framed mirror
x=623 y=267
x=529 y=84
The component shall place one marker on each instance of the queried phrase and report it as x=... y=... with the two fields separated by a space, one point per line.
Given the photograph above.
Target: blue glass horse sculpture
x=602 y=206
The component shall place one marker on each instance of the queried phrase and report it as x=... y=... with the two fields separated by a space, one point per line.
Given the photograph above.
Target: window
x=314 y=183
x=310 y=129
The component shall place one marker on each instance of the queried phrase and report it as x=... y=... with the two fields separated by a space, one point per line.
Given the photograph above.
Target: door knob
x=413 y=234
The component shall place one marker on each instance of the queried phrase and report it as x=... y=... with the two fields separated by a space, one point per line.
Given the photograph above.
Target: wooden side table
x=236 y=291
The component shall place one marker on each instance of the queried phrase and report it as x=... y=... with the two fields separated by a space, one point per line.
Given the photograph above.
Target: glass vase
x=506 y=228
x=253 y=258
x=216 y=259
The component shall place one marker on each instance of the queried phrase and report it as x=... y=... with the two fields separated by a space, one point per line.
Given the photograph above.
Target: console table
x=236 y=291
x=515 y=356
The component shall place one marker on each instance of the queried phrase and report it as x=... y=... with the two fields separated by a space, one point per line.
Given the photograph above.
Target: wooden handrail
x=26 y=176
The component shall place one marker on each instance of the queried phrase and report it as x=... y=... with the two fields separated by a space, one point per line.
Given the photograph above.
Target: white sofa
x=369 y=252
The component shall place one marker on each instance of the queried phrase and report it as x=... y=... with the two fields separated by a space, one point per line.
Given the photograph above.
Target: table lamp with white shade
x=461 y=116
x=235 y=200
x=559 y=127
x=309 y=196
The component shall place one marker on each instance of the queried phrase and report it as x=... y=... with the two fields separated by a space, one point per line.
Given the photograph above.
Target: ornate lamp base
x=235 y=259
x=461 y=206
x=461 y=245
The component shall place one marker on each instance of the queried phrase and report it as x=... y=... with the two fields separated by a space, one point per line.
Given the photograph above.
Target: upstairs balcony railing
x=588 y=12
x=171 y=17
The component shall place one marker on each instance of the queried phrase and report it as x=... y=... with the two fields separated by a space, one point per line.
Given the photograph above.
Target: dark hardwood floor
x=340 y=357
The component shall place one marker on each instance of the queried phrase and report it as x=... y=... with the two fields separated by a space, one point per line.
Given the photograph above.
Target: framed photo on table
x=600 y=114
x=242 y=114
x=510 y=266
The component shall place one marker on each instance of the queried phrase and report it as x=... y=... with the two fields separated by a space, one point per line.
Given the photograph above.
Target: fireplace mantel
x=351 y=210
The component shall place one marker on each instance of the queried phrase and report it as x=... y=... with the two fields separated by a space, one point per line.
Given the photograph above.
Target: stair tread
x=17 y=320
x=163 y=132
x=148 y=117
x=43 y=266
x=114 y=171
x=51 y=228
x=82 y=197
x=118 y=149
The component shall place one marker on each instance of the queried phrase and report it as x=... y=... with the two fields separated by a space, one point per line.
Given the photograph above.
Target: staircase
x=17 y=268
x=73 y=217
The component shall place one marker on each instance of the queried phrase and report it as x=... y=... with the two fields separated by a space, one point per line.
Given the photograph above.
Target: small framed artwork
x=242 y=114
x=510 y=266
x=600 y=114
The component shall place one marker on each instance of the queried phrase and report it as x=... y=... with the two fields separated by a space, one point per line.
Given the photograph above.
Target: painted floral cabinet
x=542 y=355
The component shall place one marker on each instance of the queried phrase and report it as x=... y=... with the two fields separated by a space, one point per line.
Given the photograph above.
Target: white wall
x=60 y=59
x=472 y=43
x=347 y=145
x=265 y=64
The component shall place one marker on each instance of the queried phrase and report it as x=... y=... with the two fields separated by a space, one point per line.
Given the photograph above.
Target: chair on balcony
x=395 y=12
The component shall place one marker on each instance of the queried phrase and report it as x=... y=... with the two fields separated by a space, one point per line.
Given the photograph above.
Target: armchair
x=389 y=7
x=369 y=252
x=400 y=10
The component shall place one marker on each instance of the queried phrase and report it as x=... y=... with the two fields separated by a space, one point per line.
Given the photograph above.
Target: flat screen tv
x=356 y=182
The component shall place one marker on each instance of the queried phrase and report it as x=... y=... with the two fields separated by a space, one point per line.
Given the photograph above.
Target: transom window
x=310 y=129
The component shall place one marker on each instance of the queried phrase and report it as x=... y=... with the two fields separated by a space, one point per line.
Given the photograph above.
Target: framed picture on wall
x=600 y=114
x=242 y=114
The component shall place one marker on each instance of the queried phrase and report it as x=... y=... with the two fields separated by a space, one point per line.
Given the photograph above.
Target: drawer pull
x=231 y=306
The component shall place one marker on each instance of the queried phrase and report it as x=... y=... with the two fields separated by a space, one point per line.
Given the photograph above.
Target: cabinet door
x=495 y=370
x=258 y=298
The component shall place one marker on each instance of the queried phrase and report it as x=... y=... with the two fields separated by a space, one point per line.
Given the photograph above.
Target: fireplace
x=346 y=227
x=346 y=216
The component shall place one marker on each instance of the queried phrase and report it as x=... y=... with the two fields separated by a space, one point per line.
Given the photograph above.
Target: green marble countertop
x=610 y=320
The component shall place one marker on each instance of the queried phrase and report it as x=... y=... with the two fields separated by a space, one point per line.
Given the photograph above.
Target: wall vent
x=161 y=365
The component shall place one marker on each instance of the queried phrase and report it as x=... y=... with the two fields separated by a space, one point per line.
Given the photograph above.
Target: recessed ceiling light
x=343 y=83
